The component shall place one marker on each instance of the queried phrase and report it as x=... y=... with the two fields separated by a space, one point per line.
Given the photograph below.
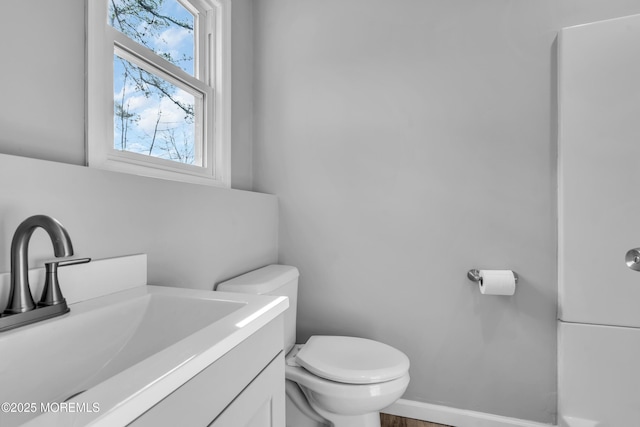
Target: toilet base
x=371 y=419
x=297 y=418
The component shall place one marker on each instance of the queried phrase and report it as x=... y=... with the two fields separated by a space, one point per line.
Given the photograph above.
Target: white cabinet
x=261 y=403
x=245 y=387
x=599 y=70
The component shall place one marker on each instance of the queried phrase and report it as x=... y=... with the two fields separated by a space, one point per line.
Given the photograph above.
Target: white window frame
x=215 y=56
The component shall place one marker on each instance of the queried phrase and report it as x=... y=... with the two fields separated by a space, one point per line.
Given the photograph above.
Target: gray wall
x=408 y=142
x=242 y=95
x=42 y=81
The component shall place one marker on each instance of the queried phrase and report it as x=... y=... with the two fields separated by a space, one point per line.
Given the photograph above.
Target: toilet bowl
x=347 y=380
x=330 y=380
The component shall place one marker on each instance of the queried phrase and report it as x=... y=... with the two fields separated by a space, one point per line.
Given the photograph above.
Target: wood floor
x=387 y=420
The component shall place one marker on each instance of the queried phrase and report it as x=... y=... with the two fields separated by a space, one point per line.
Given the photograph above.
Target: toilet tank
x=278 y=280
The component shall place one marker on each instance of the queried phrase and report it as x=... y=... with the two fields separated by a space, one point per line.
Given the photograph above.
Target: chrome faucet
x=21 y=309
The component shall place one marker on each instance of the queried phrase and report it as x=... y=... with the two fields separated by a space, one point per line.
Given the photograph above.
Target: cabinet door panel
x=598 y=156
x=261 y=404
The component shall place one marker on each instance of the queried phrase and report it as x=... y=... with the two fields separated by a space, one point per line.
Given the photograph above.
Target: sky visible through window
x=151 y=115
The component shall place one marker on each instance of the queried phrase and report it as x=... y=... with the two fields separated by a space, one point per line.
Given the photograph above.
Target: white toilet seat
x=344 y=398
x=352 y=360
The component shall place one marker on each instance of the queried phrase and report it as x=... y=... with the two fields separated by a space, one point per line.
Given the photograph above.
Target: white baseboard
x=454 y=417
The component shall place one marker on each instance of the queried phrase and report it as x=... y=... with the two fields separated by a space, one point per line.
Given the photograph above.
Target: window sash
x=147 y=56
x=201 y=95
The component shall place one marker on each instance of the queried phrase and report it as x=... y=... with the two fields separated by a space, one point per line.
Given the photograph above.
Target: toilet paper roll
x=497 y=282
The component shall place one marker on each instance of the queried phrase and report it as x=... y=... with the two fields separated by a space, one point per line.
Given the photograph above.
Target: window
x=158 y=88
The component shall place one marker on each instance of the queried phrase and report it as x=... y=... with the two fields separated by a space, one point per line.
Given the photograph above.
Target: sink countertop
x=125 y=394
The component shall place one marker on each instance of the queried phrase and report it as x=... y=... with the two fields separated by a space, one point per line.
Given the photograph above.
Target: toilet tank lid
x=260 y=281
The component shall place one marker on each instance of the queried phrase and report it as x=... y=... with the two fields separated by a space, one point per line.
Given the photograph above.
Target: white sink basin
x=123 y=352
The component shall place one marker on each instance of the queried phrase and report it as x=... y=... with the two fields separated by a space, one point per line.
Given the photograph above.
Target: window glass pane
x=164 y=26
x=153 y=116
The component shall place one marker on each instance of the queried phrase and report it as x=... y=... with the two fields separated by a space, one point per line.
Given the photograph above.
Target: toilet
x=330 y=380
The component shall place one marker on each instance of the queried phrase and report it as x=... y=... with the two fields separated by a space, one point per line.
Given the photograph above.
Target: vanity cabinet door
x=261 y=404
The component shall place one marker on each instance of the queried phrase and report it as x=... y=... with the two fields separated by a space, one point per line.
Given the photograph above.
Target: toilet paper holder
x=474 y=275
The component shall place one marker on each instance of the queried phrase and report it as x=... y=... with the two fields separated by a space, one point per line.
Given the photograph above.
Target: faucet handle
x=66 y=262
x=51 y=293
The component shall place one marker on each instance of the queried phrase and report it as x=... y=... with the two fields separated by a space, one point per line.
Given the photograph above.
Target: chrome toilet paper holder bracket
x=474 y=275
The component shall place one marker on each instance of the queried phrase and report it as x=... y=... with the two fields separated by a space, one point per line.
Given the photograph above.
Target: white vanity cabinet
x=245 y=387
